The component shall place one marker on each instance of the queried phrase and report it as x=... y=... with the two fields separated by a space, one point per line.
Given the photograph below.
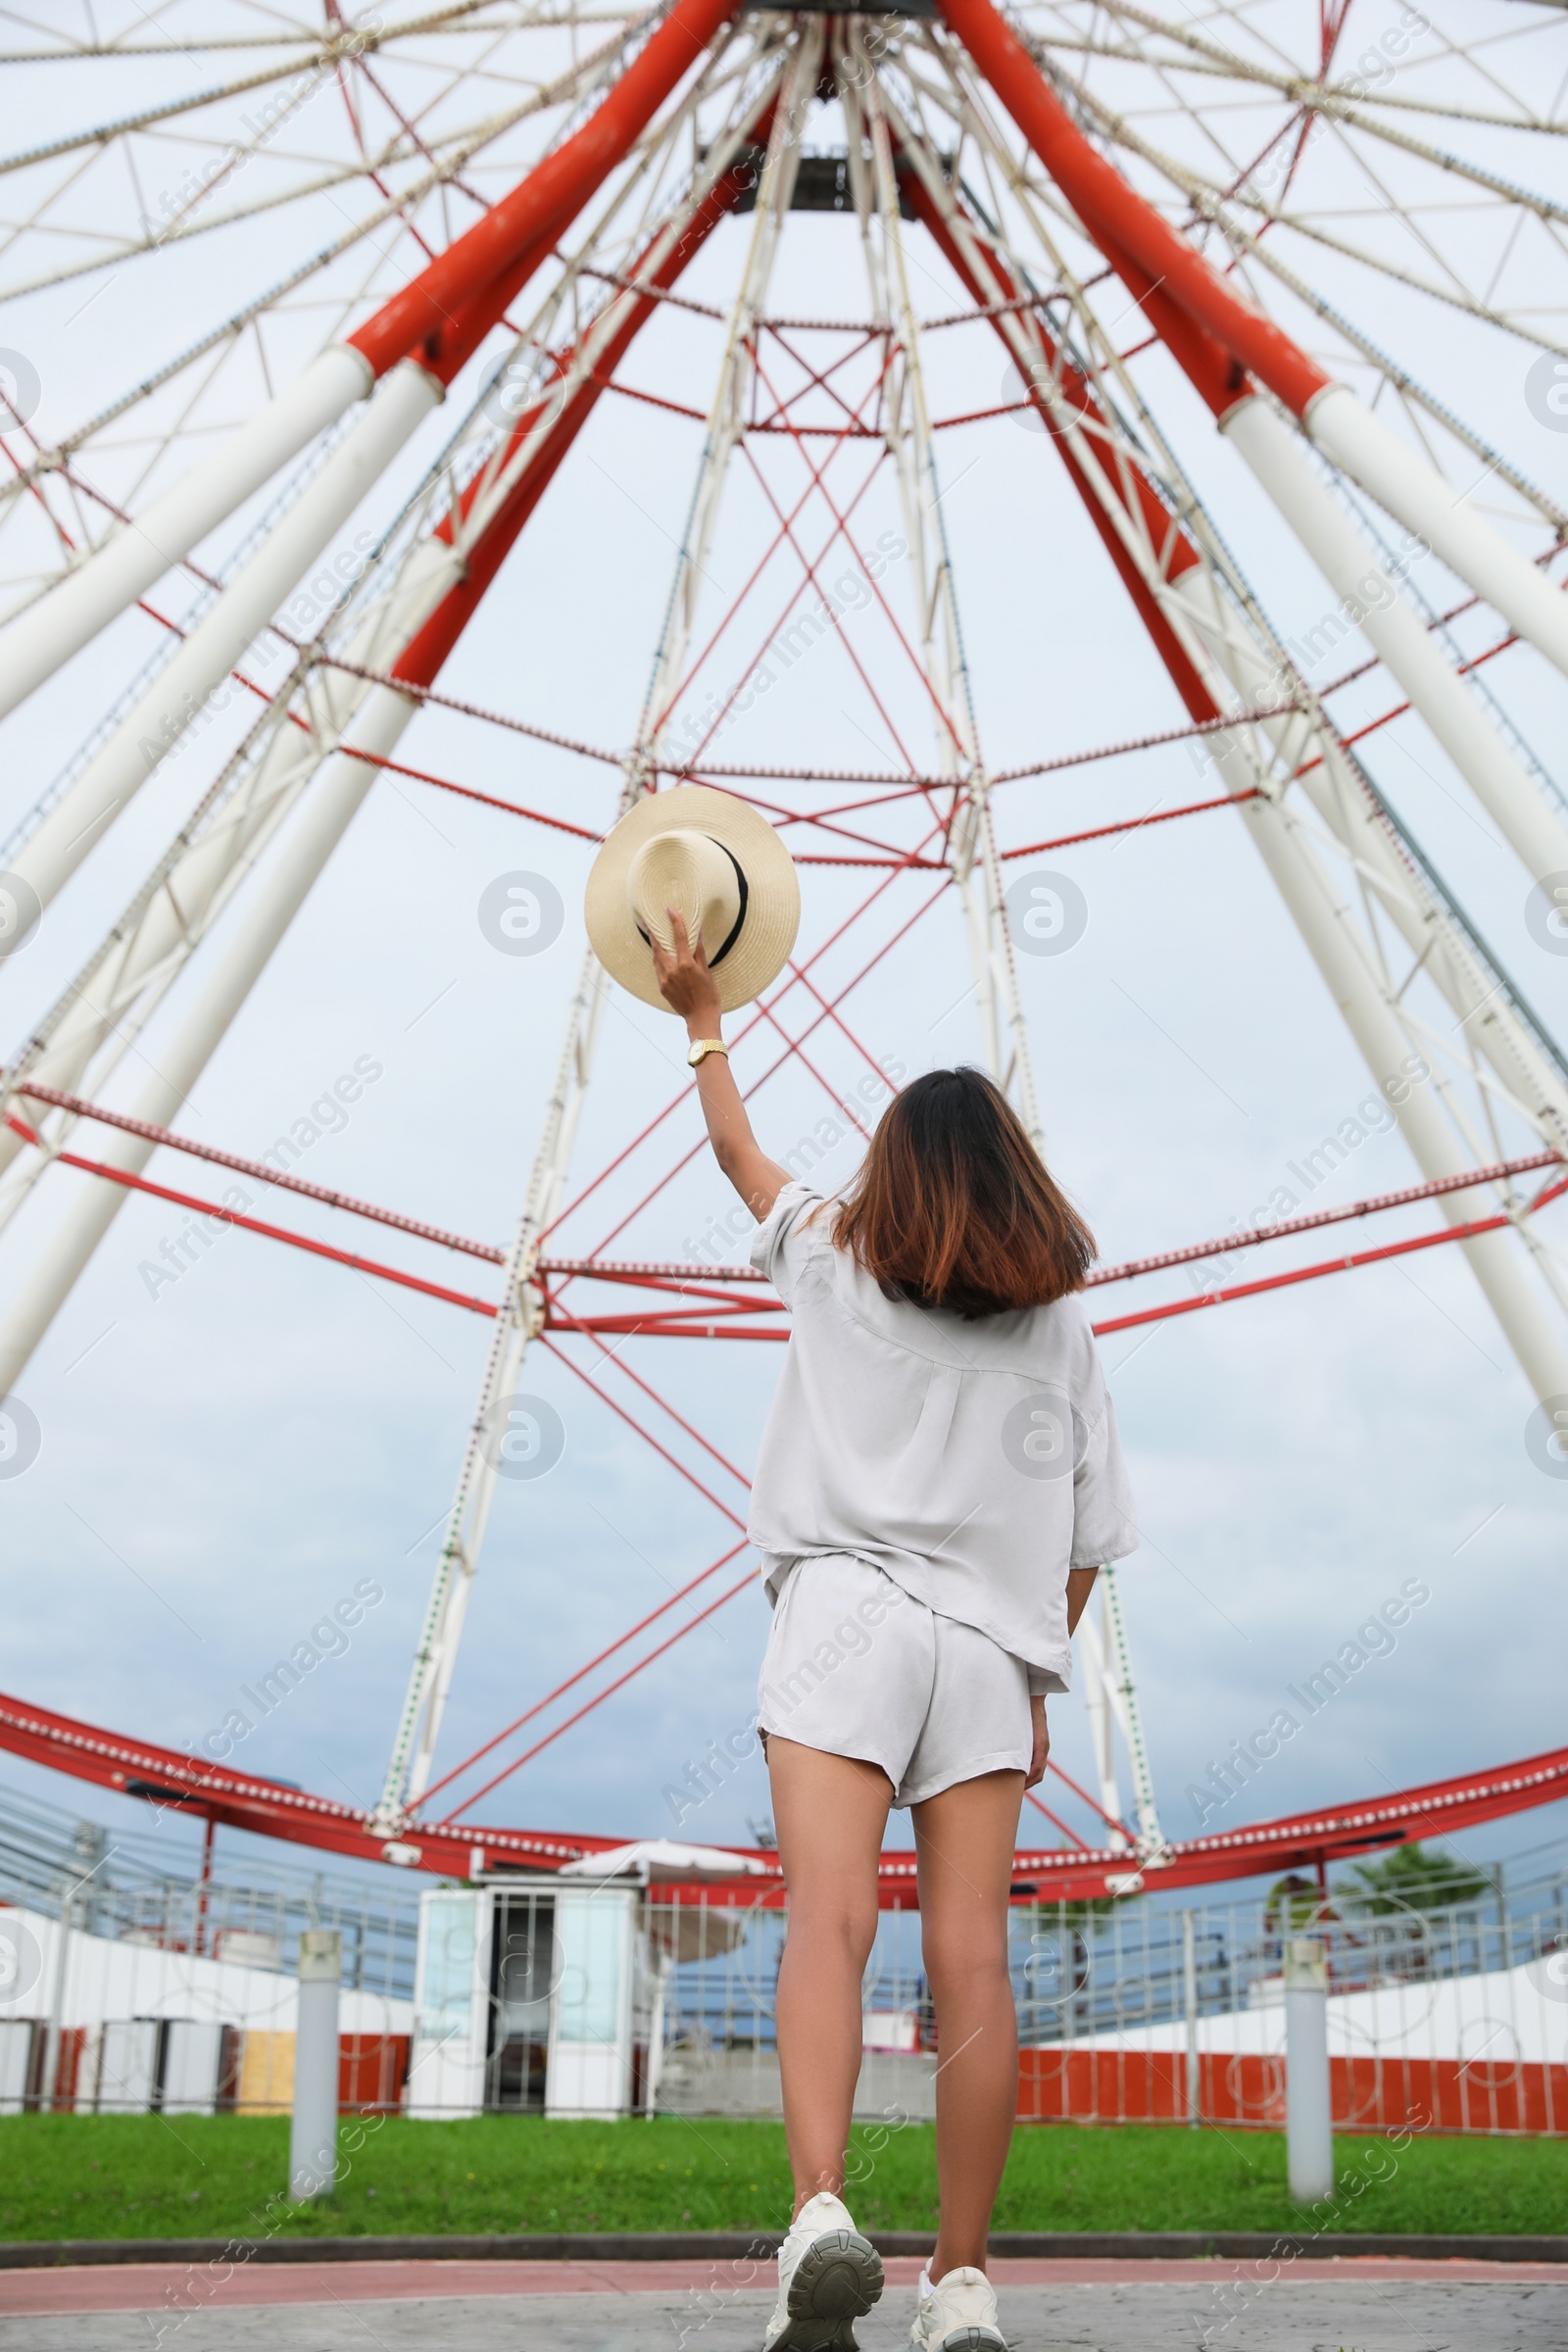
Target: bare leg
x=964 y=1841
x=829 y=1813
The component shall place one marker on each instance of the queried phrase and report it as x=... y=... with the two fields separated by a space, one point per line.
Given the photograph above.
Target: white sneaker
x=828 y=2276
x=956 y=2314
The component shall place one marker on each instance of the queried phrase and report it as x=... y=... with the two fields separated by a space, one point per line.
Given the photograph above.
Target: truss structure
x=1161 y=232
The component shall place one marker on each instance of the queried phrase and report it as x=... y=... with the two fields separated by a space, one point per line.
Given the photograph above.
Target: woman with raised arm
x=939 y=1482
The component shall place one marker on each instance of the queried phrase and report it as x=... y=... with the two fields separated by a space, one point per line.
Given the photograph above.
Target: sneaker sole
x=972 y=2338
x=836 y=2281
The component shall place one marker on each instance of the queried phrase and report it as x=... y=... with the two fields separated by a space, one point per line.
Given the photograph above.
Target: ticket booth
x=545 y=1996
x=523 y=1999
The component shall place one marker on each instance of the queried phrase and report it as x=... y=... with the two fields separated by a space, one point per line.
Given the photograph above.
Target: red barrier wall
x=372 y=2070
x=1369 y=2094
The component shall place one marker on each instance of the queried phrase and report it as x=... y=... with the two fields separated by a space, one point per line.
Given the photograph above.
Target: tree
x=1411 y=1879
x=1294 y=1902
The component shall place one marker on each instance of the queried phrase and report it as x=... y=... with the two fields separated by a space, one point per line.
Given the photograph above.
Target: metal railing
x=125 y=1886
x=1454 y=2017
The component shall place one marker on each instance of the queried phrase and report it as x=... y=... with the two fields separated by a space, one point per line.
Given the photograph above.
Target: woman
x=938 y=1484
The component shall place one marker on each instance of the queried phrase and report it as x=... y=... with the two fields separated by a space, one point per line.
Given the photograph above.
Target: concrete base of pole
x=1309 y=2117
x=313 y=2139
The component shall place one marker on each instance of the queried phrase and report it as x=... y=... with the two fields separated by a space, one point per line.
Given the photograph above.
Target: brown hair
x=954 y=1207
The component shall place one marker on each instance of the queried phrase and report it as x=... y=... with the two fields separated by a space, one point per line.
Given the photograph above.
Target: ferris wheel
x=393 y=262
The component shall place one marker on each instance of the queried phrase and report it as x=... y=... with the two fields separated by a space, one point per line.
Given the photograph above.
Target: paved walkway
x=1365 y=2304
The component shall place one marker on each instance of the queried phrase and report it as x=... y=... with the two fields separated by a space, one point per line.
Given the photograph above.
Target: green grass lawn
x=208 y=2177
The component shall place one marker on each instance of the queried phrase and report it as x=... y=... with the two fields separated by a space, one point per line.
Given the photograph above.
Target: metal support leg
x=331 y=808
x=414 y=1744
x=1387 y=621
x=44 y=637
x=79 y=822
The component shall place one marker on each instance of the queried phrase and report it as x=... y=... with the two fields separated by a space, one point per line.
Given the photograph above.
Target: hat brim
x=773 y=904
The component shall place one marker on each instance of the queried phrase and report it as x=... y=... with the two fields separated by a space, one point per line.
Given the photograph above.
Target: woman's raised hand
x=689 y=988
x=685 y=982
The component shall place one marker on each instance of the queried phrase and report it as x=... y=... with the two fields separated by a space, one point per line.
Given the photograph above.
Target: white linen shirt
x=975 y=1462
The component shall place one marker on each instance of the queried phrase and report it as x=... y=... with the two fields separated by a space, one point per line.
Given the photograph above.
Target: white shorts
x=858 y=1668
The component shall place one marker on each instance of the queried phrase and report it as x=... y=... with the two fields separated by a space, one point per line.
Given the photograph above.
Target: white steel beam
x=1415 y=494
x=1328 y=925
x=1108 y=1692
x=553 y=193
x=1124 y=1701
x=1387 y=619
x=519 y=1316
x=79 y=820
x=98 y=1016
x=1102 y=1728
x=1112 y=1704
x=1350 y=434
x=145 y=547
x=1218 y=624
x=339 y=790
x=727 y=411
x=971 y=846
x=1303 y=746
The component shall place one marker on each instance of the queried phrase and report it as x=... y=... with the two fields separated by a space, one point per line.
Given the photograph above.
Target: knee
x=970 y=1963
x=842 y=1924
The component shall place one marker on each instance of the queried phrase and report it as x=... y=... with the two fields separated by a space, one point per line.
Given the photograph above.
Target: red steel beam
x=718 y=1319
x=441 y=316
x=252 y=1801
x=1251 y=1235
x=1057 y=1822
x=701 y=1616
x=1124 y=224
x=1331 y=1265
x=257 y=1168
x=219 y=1213
x=539 y=1705
x=421 y=659
x=1154 y=516
x=242 y=1800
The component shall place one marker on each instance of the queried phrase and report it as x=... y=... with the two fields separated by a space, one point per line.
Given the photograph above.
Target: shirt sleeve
x=780 y=1246
x=1104 y=1521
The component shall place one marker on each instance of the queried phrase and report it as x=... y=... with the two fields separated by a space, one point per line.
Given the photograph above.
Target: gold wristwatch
x=701 y=1047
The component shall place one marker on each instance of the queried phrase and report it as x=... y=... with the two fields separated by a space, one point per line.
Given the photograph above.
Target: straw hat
x=721 y=865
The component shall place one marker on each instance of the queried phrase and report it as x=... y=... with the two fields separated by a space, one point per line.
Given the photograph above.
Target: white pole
x=661 y=1963
x=313 y=2138
x=88 y=598
x=111 y=780
x=1189 y=1993
x=1308 y=2116
x=1374 y=604
x=1415 y=494
x=48 y=2089
x=333 y=801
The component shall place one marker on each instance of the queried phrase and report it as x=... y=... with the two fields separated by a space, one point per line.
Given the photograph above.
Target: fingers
x=1042 y=1744
x=686 y=949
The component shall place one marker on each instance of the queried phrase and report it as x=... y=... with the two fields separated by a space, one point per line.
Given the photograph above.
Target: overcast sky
x=227 y=1454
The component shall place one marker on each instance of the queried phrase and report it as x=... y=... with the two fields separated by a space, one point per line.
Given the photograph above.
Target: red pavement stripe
x=167 y=2288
